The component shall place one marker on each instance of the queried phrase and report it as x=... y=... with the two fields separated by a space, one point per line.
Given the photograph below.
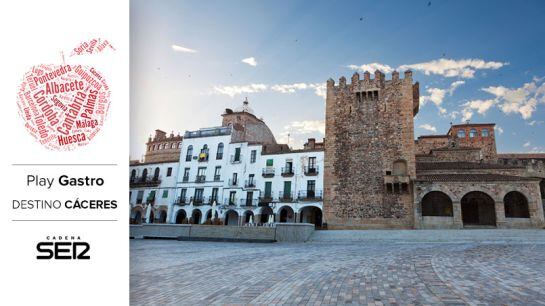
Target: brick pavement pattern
x=337 y=273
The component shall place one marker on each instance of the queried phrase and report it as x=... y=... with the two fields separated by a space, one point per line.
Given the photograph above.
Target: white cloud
x=481 y=106
x=535 y=122
x=428 y=127
x=372 y=67
x=522 y=100
x=250 y=61
x=464 y=68
x=437 y=95
x=183 y=49
x=499 y=129
x=527 y=144
x=296 y=133
x=231 y=91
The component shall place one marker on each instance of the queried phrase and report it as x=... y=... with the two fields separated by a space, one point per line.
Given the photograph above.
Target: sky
x=481 y=61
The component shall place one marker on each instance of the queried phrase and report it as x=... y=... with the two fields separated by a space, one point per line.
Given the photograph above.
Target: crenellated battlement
x=379 y=80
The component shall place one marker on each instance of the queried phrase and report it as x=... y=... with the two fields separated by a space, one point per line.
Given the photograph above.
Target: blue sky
x=481 y=61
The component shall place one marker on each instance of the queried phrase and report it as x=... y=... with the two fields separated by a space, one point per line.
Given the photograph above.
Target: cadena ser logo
x=63 y=248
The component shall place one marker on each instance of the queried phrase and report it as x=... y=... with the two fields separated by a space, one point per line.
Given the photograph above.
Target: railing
x=249 y=184
x=188 y=158
x=268 y=172
x=267 y=198
x=311 y=170
x=285 y=197
x=198 y=201
x=145 y=181
x=229 y=201
x=287 y=172
x=217 y=178
x=248 y=202
x=232 y=182
x=181 y=201
x=208 y=132
x=200 y=179
x=310 y=195
x=235 y=160
x=219 y=156
x=185 y=179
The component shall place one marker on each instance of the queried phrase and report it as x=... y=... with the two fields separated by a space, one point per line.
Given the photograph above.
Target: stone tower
x=369 y=152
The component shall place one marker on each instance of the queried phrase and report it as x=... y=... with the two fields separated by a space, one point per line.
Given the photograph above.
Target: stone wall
x=495 y=189
x=369 y=126
x=281 y=232
x=424 y=144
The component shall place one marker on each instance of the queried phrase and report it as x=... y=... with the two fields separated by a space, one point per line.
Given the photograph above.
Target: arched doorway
x=478 y=209
x=137 y=219
x=247 y=215
x=287 y=215
x=231 y=218
x=436 y=204
x=162 y=216
x=516 y=205
x=311 y=214
x=196 y=217
x=180 y=216
x=266 y=211
x=209 y=214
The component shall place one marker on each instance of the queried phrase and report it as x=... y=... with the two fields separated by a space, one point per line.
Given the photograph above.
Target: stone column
x=500 y=214
x=417 y=215
x=457 y=214
x=296 y=217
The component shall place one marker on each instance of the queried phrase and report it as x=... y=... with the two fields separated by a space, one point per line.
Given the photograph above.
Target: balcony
x=229 y=201
x=397 y=183
x=232 y=183
x=181 y=201
x=310 y=195
x=200 y=179
x=286 y=197
x=287 y=172
x=144 y=181
x=198 y=201
x=203 y=157
x=217 y=178
x=311 y=170
x=236 y=159
x=265 y=199
x=185 y=179
x=268 y=172
x=248 y=202
x=249 y=184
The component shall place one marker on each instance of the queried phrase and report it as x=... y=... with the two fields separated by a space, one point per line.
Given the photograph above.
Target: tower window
x=472 y=133
x=461 y=134
x=484 y=133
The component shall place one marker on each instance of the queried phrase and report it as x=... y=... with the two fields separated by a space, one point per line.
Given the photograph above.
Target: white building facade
x=239 y=168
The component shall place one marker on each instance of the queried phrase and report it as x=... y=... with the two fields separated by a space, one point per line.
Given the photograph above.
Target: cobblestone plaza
x=471 y=267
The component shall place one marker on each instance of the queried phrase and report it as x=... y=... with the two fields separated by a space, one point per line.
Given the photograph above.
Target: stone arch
x=209 y=214
x=196 y=216
x=181 y=216
x=286 y=214
x=162 y=216
x=231 y=217
x=247 y=215
x=311 y=214
x=436 y=204
x=478 y=208
x=266 y=211
x=516 y=205
x=136 y=215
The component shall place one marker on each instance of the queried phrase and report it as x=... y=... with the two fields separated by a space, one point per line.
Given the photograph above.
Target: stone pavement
x=344 y=269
